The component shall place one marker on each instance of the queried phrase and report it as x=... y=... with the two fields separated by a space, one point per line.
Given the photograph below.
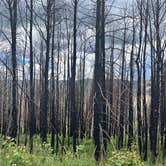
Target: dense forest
x=82 y=82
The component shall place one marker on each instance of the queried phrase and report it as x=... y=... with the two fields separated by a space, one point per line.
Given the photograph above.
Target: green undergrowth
x=13 y=155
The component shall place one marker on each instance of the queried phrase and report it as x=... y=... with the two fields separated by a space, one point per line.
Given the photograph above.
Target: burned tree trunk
x=130 y=139
x=99 y=83
x=139 y=71
x=13 y=25
x=156 y=96
x=31 y=102
x=53 y=86
x=112 y=116
x=73 y=75
x=145 y=121
x=44 y=97
x=122 y=96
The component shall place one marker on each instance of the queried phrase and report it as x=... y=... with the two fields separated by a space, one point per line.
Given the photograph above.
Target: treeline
x=52 y=94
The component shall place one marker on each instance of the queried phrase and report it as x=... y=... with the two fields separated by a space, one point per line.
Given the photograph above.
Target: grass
x=13 y=155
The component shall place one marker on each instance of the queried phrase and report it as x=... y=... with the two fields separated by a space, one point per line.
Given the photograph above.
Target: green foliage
x=13 y=155
x=124 y=158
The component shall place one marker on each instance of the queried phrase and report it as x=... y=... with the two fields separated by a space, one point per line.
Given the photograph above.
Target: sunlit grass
x=13 y=155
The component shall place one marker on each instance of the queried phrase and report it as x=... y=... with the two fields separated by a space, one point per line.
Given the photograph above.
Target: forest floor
x=13 y=155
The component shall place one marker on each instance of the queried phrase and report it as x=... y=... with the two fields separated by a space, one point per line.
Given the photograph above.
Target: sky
x=5 y=47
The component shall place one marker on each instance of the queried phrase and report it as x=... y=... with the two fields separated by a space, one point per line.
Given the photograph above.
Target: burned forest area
x=82 y=82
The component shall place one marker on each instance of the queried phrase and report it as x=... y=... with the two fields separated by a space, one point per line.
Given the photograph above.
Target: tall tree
x=139 y=69
x=122 y=96
x=44 y=97
x=82 y=89
x=57 y=90
x=73 y=76
x=111 y=86
x=103 y=86
x=12 y=5
x=53 y=125
x=145 y=123
x=32 y=122
x=131 y=109
x=156 y=86
x=99 y=83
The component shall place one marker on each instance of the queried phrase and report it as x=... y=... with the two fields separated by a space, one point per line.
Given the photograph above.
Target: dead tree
x=131 y=109
x=32 y=122
x=122 y=96
x=44 y=96
x=73 y=76
x=12 y=6
x=99 y=82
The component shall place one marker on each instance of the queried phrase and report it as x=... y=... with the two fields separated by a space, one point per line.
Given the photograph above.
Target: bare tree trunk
x=32 y=122
x=145 y=121
x=53 y=125
x=44 y=97
x=111 y=119
x=138 y=64
x=13 y=22
x=122 y=97
x=157 y=79
x=103 y=87
x=100 y=126
x=82 y=93
x=57 y=92
x=73 y=75
x=130 y=139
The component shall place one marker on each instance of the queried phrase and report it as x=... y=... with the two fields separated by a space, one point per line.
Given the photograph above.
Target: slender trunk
x=31 y=102
x=111 y=88
x=157 y=76
x=44 y=97
x=138 y=64
x=122 y=97
x=145 y=123
x=53 y=87
x=130 y=139
x=13 y=22
x=100 y=125
x=73 y=75
x=57 y=92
